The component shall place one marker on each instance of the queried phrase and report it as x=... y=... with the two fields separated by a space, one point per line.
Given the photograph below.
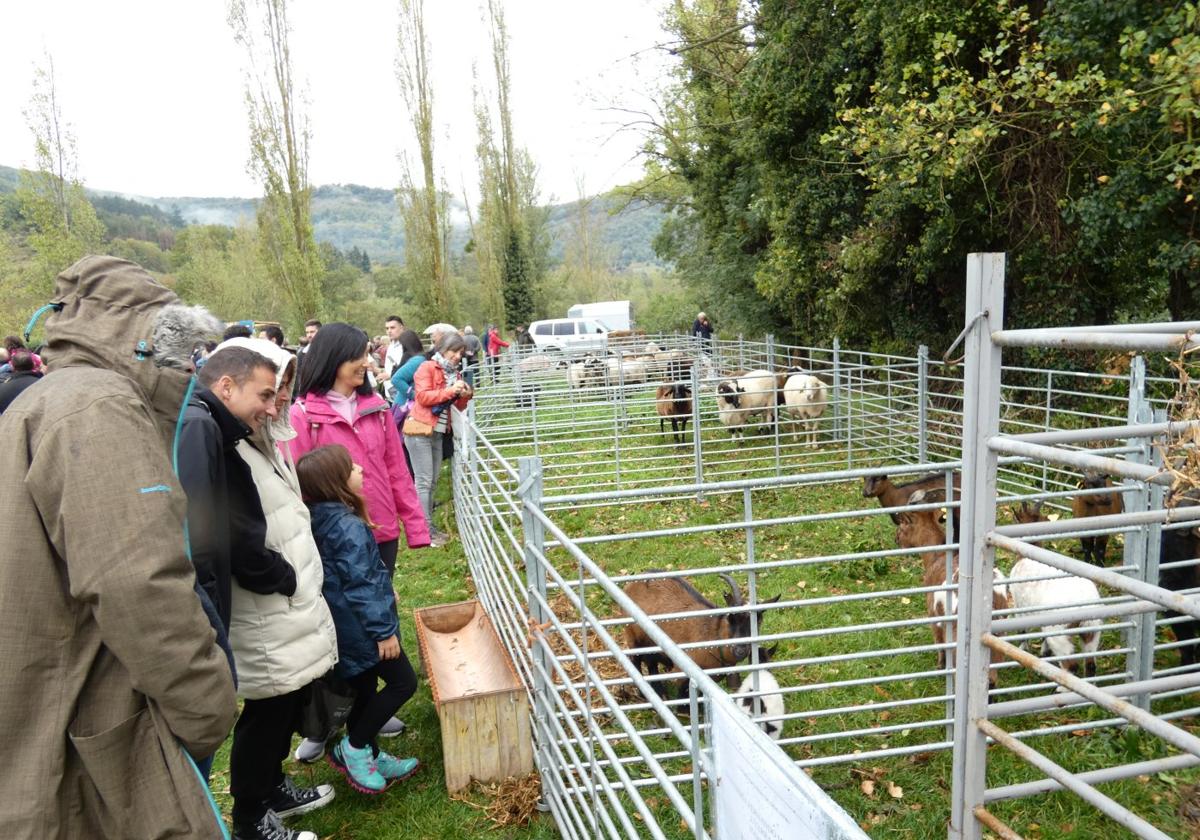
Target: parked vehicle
x=570 y=335
x=612 y=314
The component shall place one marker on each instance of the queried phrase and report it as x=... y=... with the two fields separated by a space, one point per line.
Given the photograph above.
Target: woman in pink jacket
x=337 y=405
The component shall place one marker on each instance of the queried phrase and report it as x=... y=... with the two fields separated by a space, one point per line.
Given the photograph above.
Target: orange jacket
x=429 y=389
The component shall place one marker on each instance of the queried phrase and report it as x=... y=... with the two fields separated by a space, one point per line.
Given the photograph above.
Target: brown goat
x=920 y=528
x=674 y=402
x=1027 y=514
x=894 y=495
x=676 y=595
x=1096 y=504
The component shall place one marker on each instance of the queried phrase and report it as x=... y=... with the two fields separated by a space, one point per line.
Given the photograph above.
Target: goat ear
x=917 y=497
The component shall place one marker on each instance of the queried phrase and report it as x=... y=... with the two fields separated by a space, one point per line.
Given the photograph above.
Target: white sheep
x=764 y=703
x=627 y=371
x=749 y=396
x=586 y=373
x=1057 y=593
x=804 y=401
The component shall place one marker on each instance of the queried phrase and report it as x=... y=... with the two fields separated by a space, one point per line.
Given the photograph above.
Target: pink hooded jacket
x=374 y=444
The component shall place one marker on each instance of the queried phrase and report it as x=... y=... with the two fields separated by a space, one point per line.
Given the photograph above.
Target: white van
x=570 y=335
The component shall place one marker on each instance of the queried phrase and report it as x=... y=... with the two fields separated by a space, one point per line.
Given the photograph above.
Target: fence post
x=981 y=421
x=837 y=389
x=697 y=441
x=922 y=403
x=529 y=491
x=741 y=352
x=777 y=402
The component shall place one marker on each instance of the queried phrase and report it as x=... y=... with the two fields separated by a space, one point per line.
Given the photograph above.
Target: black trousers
x=261 y=739
x=373 y=706
x=387 y=550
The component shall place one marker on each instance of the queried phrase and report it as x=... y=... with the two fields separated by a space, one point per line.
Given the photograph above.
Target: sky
x=154 y=90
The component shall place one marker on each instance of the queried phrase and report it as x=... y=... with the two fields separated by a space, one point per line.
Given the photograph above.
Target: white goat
x=803 y=400
x=764 y=703
x=741 y=400
x=1058 y=593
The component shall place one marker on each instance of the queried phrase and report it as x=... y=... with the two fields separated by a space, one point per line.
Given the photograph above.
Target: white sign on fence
x=761 y=795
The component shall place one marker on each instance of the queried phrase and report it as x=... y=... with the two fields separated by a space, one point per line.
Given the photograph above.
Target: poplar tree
x=279 y=135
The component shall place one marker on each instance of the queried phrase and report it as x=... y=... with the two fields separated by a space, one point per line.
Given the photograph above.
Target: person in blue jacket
x=359 y=593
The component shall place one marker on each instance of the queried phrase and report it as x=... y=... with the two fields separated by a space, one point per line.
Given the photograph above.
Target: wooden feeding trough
x=482 y=706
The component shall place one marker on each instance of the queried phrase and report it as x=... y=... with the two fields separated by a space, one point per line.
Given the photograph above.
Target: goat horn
x=733 y=588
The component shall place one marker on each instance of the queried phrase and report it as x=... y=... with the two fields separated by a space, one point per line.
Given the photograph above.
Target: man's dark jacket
x=226 y=526
x=15 y=386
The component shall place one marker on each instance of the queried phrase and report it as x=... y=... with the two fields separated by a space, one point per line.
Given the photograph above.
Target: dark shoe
x=270 y=828
x=287 y=800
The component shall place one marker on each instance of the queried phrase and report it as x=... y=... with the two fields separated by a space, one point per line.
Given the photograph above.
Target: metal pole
x=922 y=403
x=741 y=352
x=778 y=395
x=530 y=488
x=1151 y=541
x=981 y=421
x=697 y=441
x=836 y=397
x=1046 y=426
x=1137 y=500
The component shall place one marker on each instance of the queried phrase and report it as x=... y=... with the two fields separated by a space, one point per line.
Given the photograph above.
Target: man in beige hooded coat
x=110 y=666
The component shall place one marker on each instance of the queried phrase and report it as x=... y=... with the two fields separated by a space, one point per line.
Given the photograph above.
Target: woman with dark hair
x=337 y=405
x=436 y=386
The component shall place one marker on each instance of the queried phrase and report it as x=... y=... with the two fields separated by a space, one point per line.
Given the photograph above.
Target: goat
x=1095 y=504
x=674 y=403
x=894 y=495
x=760 y=698
x=1057 y=593
x=1026 y=514
x=741 y=399
x=676 y=595
x=803 y=399
x=1177 y=545
x=920 y=528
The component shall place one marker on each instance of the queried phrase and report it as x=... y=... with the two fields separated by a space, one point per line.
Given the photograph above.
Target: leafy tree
x=425 y=206
x=828 y=170
x=279 y=154
x=61 y=223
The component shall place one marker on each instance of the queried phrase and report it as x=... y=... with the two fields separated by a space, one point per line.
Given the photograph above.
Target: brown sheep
x=676 y=595
x=920 y=528
x=674 y=403
x=1097 y=504
x=894 y=495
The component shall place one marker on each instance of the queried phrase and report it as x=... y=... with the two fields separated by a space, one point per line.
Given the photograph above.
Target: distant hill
x=350 y=215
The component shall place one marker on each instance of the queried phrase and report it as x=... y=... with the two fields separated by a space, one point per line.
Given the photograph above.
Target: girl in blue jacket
x=363 y=604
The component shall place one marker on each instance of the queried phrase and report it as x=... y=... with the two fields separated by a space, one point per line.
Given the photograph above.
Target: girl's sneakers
x=358 y=766
x=394 y=769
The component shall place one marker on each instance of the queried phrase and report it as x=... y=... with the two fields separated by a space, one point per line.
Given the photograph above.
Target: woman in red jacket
x=436 y=386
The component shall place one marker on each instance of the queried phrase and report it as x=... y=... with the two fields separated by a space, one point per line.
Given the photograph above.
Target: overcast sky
x=154 y=89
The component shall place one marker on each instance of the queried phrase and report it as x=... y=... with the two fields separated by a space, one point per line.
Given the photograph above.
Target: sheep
x=586 y=373
x=894 y=495
x=677 y=595
x=674 y=403
x=741 y=399
x=803 y=398
x=537 y=363
x=920 y=528
x=1095 y=505
x=759 y=697
x=626 y=371
x=1057 y=593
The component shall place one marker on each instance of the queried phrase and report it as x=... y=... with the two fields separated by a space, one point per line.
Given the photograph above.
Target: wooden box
x=482 y=706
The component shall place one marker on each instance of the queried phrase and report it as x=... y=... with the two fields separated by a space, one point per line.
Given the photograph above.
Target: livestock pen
x=566 y=495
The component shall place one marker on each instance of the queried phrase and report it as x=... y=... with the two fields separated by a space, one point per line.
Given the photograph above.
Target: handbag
x=417 y=428
x=325 y=707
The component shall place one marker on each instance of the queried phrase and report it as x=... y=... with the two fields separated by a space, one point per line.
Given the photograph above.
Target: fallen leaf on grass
x=906 y=600
x=868 y=787
x=895 y=791
x=800 y=584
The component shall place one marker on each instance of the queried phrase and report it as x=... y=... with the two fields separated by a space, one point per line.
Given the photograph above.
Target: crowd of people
x=196 y=521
